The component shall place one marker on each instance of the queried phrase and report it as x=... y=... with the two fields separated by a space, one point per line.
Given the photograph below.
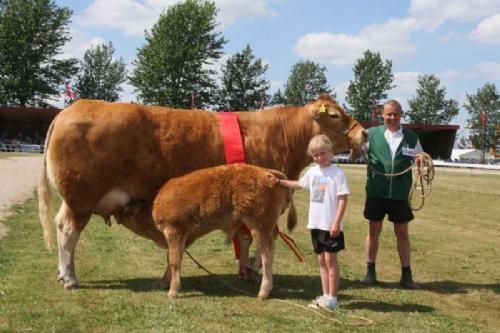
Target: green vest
x=397 y=188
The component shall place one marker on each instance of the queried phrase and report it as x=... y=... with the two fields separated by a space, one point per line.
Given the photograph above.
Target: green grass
x=455 y=258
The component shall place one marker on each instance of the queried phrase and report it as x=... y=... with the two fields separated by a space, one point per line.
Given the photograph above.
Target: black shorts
x=398 y=211
x=323 y=242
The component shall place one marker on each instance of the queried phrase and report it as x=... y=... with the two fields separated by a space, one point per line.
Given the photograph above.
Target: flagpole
x=483 y=123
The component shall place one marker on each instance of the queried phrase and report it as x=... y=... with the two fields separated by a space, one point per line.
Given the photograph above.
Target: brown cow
x=102 y=156
x=222 y=197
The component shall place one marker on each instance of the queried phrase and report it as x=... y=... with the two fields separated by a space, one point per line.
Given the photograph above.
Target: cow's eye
x=335 y=116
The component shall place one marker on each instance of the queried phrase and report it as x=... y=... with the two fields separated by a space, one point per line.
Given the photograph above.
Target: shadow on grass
x=285 y=286
x=452 y=287
x=441 y=287
x=378 y=306
x=304 y=287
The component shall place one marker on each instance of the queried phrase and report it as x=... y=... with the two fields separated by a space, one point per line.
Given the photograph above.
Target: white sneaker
x=317 y=299
x=328 y=303
x=315 y=302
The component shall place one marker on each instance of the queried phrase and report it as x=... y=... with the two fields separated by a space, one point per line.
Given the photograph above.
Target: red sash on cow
x=233 y=150
x=233 y=143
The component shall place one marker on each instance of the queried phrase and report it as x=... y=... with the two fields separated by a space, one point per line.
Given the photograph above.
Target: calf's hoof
x=263 y=296
x=172 y=294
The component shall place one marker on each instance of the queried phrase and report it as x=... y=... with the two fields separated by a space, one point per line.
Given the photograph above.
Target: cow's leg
x=265 y=243
x=69 y=227
x=176 y=244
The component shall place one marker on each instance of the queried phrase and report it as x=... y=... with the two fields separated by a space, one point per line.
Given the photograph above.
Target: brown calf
x=221 y=197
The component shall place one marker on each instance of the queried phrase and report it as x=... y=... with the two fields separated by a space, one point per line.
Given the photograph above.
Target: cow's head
x=346 y=133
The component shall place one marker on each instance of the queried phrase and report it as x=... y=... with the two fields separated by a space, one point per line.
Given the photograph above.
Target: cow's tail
x=45 y=198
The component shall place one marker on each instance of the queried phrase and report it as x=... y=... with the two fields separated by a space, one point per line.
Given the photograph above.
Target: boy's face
x=322 y=157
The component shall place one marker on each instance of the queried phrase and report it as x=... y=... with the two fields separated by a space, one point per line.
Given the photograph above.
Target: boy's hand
x=272 y=178
x=335 y=230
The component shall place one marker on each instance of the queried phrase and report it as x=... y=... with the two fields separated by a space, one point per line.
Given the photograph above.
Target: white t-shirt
x=324 y=185
x=394 y=140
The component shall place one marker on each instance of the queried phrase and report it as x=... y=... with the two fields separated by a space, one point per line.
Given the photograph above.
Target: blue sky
x=456 y=40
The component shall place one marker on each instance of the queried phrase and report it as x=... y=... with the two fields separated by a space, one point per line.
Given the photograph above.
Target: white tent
x=466 y=154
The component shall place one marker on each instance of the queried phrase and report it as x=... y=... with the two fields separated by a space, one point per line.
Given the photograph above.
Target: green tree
x=32 y=34
x=100 y=76
x=372 y=78
x=243 y=86
x=278 y=98
x=487 y=100
x=307 y=80
x=430 y=105
x=174 y=62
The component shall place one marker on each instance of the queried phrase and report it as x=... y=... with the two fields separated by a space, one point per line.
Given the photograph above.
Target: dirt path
x=18 y=180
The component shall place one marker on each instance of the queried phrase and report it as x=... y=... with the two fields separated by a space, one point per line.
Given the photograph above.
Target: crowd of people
x=21 y=143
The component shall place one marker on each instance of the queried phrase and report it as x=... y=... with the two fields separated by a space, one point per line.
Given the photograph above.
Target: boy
x=328 y=199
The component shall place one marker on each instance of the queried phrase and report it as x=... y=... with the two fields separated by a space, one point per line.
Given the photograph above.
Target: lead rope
x=363 y=321
x=424 y=169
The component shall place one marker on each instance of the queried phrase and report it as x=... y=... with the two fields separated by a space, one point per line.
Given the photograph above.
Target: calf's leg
x=265 y=243
x=176 y=244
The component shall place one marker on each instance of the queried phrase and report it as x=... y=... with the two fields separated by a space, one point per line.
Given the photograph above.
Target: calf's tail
x=291 y=221
x=45 y=198
x=292 y=213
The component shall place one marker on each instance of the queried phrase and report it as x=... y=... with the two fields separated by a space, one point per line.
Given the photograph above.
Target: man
x=391 y=149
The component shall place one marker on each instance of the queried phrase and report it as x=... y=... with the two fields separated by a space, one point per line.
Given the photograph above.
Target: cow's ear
x=319 y=110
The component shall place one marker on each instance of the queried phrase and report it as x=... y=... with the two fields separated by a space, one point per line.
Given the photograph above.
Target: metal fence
x=21 y=147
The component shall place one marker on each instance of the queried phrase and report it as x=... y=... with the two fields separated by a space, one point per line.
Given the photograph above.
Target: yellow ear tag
x=322 y=108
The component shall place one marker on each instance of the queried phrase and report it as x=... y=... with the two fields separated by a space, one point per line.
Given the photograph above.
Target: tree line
x=176 y=67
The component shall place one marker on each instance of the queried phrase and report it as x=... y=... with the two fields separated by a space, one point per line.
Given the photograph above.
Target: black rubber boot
x=371 y=274
x=407 y=279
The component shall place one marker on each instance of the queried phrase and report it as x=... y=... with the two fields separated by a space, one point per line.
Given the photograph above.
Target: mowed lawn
x=456 y=259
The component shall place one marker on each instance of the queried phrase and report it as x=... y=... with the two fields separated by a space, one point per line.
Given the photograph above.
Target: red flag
x=69 y=92
x=483 y=119
x=375 y=110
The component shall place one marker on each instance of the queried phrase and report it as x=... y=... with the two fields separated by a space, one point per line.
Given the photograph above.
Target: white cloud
x=134 y=16
x=232 y=10
x=390 y=39
x=432 y=13
x=488 y=30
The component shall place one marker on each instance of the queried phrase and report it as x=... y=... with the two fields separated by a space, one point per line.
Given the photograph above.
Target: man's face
x=392 y=117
